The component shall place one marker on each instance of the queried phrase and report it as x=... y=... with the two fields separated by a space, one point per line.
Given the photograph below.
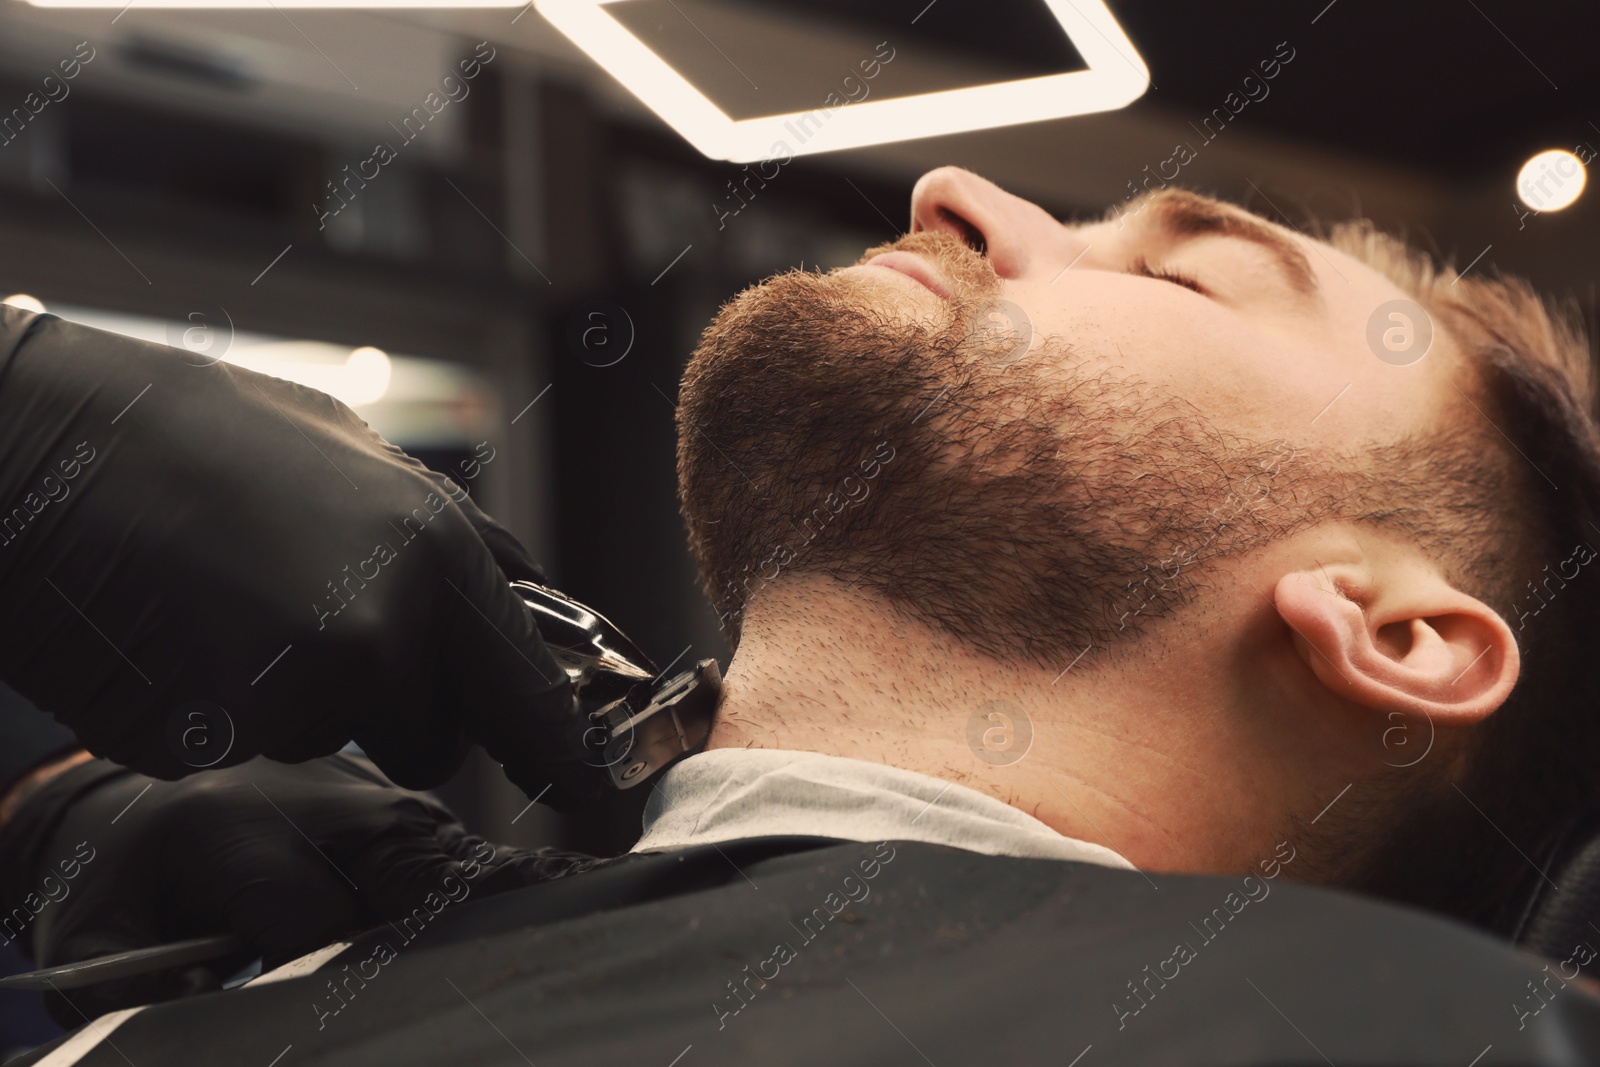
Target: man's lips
x=914 y=267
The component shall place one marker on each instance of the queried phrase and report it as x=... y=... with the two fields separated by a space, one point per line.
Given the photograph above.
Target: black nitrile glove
x=287 y=858
x=200 y=564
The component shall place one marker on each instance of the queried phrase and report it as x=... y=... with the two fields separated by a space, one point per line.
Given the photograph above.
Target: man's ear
x=1415 y=645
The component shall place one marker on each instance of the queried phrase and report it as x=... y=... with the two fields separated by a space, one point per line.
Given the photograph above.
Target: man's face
x=1063 y=427
x=1279 y=332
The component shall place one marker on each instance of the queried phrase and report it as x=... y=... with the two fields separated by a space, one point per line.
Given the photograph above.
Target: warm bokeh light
x=1551 y=180
x=25 y=302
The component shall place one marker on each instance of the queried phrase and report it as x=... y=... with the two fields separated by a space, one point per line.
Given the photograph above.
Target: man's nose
x=1016 y=234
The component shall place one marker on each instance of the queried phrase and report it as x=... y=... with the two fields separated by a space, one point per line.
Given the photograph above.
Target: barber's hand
x=288 y=858
x=200 y=564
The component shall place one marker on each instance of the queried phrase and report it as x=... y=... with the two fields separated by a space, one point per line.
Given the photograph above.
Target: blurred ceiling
x=1460 y=89
x=1417 y=114
x=1453 y=89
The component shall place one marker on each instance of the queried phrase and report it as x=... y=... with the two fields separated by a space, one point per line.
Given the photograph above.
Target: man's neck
x=1110 y=752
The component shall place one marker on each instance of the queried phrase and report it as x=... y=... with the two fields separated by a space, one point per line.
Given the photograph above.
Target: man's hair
x=1517 y=464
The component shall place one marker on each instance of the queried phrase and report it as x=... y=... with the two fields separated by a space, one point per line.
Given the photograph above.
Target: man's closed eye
x=1142 y=268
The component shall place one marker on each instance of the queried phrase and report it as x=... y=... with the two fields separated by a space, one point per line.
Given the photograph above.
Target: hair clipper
x=629 y=722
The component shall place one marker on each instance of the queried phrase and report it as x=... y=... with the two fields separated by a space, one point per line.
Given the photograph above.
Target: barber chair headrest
x=1562 y=907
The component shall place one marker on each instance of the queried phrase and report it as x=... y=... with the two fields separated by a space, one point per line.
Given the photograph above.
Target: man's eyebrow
x=1180 y=214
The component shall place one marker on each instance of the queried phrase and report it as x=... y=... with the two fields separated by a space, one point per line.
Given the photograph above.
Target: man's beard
x=1032 y=505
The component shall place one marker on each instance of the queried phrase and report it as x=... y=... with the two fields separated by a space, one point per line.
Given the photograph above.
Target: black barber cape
x=784 y=950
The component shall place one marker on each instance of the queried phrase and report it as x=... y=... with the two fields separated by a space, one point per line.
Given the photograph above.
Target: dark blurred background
x=536 y=261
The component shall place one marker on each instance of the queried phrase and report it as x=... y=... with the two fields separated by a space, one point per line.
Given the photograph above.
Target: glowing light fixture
x=1115 y=77
x=25 y=302
x=1551 y=180
x=279 y=3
